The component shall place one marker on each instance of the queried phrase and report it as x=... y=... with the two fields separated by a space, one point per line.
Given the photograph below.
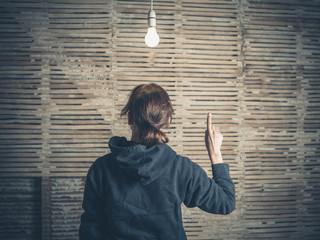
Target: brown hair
x=149 y=108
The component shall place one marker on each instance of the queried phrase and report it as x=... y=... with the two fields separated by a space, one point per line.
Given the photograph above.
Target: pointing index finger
x=209 y=121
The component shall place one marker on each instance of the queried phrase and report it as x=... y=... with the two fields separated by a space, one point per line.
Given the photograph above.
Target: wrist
x=216 y=157
x=217 y=153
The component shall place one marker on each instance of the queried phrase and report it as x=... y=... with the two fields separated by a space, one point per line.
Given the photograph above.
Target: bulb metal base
x=152 y=18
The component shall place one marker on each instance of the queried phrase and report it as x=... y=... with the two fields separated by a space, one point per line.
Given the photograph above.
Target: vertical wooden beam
x=241 y=111
x=178 y=53
x=46 y=208
x=113 y=65
x=45 y=132
x=300 y=133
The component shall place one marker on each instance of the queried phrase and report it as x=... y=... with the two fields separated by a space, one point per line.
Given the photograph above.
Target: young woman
x=136 y=191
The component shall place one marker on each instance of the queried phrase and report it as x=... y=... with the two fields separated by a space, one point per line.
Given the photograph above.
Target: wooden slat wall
x=20 y=208
x=277 y=53
x=55 y=86
x=66 y=199
x=210 y=71
x=67 y=67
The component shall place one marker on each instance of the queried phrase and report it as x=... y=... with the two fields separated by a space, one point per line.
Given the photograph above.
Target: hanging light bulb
x=152 y=39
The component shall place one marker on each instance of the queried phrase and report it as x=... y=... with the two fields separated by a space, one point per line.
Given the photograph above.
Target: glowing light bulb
x=152 y=39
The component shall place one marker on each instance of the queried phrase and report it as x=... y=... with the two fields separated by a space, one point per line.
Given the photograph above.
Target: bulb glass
x=152 y=39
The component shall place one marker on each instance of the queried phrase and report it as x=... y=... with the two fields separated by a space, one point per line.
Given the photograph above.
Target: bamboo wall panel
x=68 y=66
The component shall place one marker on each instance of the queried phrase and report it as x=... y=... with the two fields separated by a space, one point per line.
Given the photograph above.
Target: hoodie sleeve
x=92 y=220
x=216 y=195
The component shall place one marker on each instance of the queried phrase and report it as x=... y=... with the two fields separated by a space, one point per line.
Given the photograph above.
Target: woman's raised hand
x=213 y=139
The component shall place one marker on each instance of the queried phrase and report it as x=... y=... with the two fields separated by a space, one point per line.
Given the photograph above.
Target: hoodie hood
x=147 y=163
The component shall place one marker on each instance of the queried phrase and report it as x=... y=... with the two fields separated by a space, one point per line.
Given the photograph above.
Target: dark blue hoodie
x=136 y=192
